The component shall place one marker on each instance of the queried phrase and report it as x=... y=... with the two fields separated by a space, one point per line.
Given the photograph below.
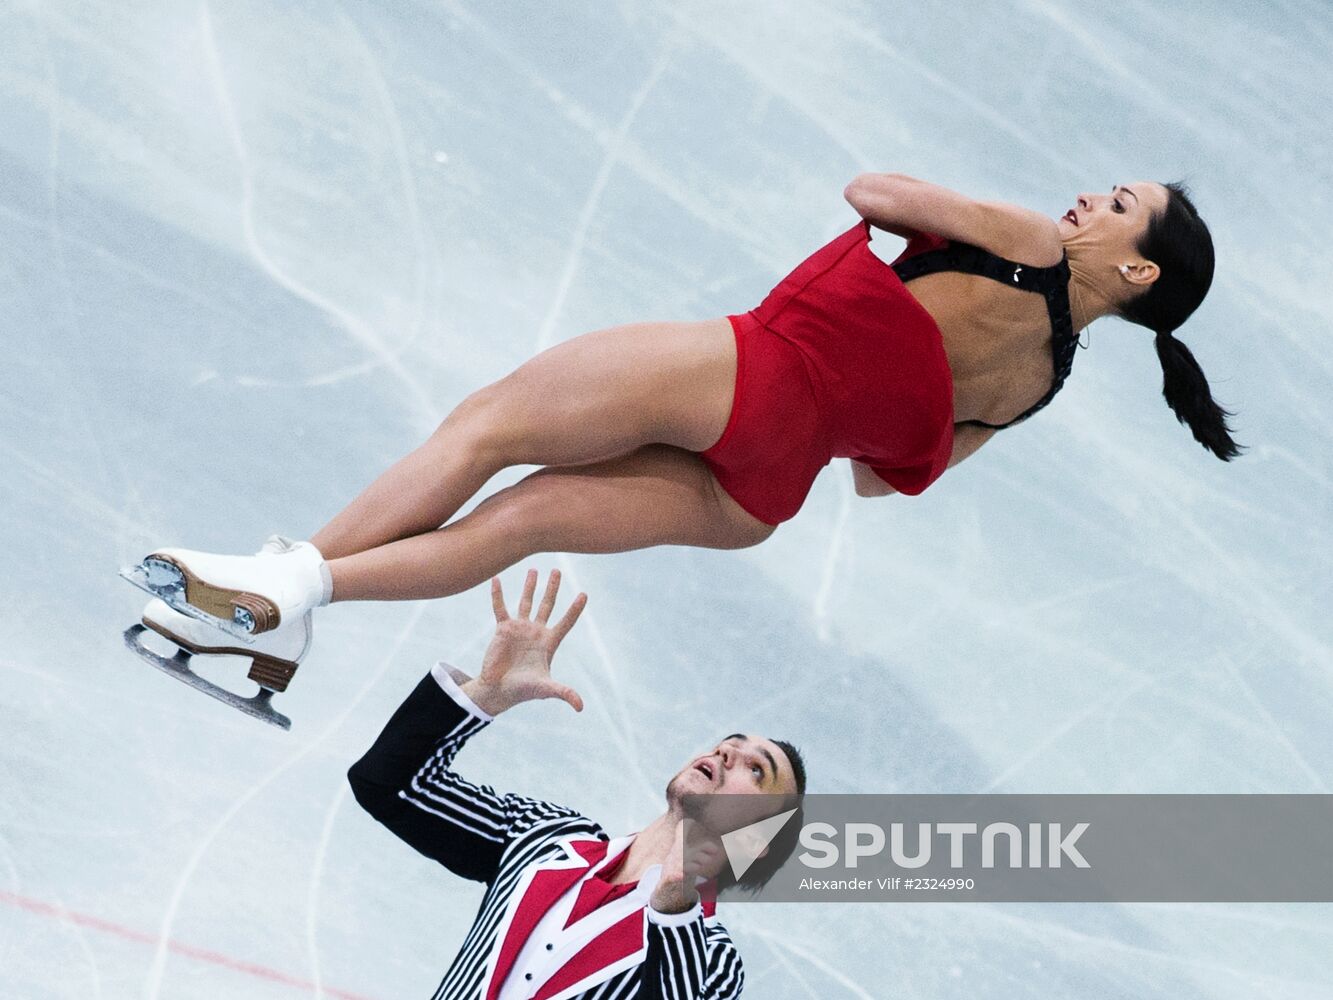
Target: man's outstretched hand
x=517 y=665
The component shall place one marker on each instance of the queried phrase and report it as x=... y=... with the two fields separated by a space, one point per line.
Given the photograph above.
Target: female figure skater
x=711 y=433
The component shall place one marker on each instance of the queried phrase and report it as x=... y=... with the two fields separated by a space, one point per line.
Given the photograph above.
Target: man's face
x=738 y=765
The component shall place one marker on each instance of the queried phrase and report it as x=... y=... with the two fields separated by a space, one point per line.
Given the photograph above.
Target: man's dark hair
x=1179 y=243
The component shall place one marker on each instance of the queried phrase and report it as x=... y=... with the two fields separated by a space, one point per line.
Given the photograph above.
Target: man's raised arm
x=405 y=779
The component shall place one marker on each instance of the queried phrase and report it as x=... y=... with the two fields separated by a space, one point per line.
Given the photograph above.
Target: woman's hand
x=517 y=665
x=867 y=482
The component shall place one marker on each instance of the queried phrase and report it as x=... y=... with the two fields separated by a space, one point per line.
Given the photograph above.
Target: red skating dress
x=839 y=361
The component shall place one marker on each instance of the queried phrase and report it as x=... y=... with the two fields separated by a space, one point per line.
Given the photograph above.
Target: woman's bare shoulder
x=1022 y=235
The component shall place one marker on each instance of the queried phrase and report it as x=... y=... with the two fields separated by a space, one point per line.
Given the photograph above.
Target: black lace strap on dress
x=1052 y=283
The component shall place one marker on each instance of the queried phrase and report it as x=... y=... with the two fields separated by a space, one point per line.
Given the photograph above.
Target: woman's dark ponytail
x=1187 y=393
x=1179 y=243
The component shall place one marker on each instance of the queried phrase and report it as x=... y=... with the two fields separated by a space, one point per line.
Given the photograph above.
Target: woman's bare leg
x=589 y=399
x=658 y=495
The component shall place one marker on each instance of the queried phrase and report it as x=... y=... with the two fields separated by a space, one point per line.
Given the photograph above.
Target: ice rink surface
x=251 y=253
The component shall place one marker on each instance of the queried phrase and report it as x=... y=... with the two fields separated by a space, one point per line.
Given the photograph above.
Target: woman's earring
x=1124 y=269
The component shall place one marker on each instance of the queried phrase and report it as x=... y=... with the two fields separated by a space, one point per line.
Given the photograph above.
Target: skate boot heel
x=271 y=675
x=255 y=614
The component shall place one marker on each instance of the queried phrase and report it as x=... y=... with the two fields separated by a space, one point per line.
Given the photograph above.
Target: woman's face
x=1113 y=222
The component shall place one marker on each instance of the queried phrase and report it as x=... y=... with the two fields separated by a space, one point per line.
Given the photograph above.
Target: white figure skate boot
x=274 y=656
x=246 y=596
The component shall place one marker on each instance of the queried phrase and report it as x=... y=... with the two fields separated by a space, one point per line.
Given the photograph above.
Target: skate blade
x=169 y=585
x=258 y=706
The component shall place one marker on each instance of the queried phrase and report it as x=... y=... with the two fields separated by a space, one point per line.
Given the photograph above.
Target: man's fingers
x=498 y=600
x=548 y=598
x=566 y=694
x=529 y=588
x=562 y=627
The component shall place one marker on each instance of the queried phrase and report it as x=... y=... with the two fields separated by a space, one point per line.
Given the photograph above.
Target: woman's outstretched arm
x=905 y=206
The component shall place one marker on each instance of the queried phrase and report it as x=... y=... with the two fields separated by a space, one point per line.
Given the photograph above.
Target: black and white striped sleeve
x=689 y=960
x=406 y=782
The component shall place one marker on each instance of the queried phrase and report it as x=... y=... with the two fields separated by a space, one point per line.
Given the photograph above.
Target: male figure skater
x=568 y=913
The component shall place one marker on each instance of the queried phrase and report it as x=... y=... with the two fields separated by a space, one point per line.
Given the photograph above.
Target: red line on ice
x=44 y=909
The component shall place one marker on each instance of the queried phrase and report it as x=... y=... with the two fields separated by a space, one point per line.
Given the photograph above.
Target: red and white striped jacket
x=529 y=853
